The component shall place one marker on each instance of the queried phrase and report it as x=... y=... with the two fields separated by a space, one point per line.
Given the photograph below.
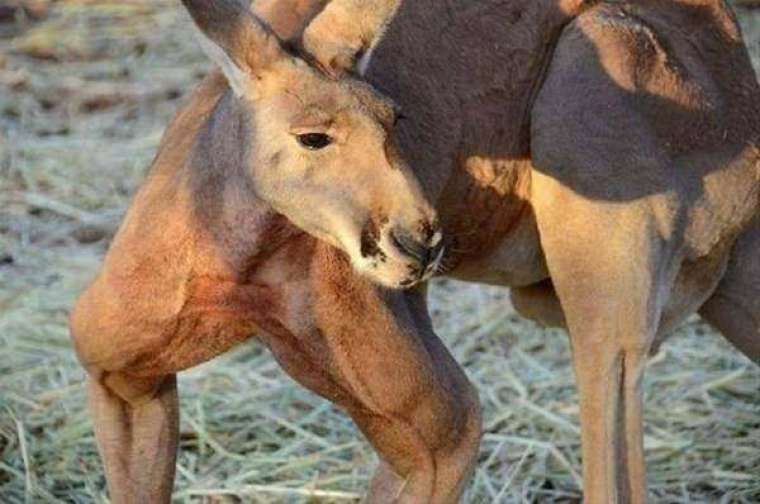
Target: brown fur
x=601 y=159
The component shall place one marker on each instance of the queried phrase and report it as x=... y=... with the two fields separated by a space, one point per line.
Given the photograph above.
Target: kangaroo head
x=321 y=150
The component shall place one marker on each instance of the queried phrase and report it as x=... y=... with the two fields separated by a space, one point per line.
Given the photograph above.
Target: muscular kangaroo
x=600 y=158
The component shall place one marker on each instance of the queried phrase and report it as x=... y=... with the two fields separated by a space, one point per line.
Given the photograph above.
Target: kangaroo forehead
x=323 y=99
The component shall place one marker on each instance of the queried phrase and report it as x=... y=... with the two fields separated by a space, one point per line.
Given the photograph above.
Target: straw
x=85 y=93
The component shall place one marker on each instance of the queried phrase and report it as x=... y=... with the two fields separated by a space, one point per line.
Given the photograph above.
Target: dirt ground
x=86 y=89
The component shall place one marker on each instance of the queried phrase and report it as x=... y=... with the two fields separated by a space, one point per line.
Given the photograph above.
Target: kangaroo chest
x=464 y=74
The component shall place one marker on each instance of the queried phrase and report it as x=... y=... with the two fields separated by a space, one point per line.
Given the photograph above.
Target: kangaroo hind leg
x=734 y=308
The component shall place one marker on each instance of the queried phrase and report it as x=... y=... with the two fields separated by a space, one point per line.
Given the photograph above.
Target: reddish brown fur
x=596 y=158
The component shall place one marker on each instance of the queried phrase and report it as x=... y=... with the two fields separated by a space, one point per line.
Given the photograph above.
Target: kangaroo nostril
x=422 y=252
x=409 y=245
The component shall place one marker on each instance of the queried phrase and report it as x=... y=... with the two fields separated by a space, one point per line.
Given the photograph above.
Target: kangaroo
x=599 y=158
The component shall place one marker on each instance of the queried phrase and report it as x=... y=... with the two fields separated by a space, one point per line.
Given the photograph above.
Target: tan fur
x=346 y=29
x=288 y=21
x=602 y=163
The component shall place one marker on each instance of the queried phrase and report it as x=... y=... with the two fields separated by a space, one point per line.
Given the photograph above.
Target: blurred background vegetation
x=86 y=89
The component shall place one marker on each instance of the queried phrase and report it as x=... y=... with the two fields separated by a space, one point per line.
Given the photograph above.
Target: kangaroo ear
x=235 y=40
x=347 y=29
x=288 y=18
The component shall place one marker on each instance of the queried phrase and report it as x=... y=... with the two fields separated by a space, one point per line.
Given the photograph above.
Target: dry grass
x=75 y=140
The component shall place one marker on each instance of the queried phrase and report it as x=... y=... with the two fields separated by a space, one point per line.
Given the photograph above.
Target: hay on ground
x=86 y=88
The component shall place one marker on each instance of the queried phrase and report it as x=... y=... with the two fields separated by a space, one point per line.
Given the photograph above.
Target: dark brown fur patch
x=369 y=240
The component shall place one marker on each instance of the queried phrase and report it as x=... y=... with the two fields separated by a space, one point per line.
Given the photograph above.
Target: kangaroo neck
x=243 y=227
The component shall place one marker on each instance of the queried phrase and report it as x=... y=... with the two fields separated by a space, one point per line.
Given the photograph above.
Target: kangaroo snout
x=400 y=256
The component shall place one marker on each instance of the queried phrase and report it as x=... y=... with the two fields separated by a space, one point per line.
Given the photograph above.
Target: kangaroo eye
x=314 y=141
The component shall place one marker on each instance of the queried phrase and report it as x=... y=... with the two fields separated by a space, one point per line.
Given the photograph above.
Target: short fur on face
x=321 y=150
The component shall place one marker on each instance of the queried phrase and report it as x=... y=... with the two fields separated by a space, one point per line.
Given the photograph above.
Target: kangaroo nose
x=424 y=253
